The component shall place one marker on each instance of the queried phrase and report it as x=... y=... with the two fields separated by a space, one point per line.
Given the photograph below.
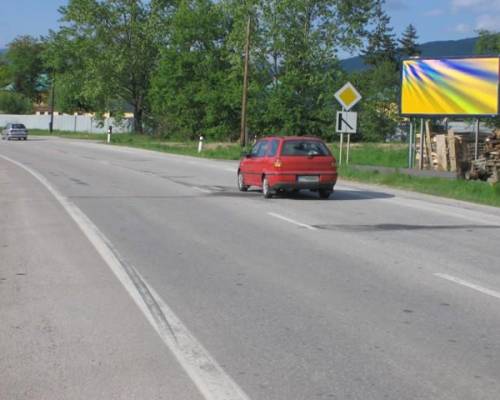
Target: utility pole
x=245 y=88
x=51 y=123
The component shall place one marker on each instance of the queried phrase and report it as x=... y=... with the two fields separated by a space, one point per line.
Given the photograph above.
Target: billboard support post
x=421 y=155
x=410 y=140
x=476 y=141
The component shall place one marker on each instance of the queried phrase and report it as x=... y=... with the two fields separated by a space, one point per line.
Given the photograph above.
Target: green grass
x=223 y=151
x=379 y=154
x=68 y=134
x=473 y=191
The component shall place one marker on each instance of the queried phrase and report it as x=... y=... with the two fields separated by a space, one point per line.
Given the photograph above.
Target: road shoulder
x=69 y=330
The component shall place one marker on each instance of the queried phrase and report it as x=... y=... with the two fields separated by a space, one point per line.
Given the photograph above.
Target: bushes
x=15 y=103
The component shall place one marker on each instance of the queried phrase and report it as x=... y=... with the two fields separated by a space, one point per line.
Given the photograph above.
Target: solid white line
x=199 y=189
x=470 y=285
x=292 y=221
x=208 y=376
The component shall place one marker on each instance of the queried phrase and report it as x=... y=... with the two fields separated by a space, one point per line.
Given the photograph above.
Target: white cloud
x=477 y=5
x=462 y=28
x=488 y=22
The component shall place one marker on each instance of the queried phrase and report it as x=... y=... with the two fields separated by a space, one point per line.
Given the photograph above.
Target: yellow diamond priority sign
x=348 y=96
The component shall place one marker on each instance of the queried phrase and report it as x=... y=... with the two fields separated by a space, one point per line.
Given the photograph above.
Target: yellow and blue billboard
x=453 y=86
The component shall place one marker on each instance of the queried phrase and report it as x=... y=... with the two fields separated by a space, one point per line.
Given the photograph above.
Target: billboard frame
x=476 y=56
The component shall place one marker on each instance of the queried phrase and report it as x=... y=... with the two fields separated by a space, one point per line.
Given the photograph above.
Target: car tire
x=241 y=186
x=266 y=189
x=324 y=194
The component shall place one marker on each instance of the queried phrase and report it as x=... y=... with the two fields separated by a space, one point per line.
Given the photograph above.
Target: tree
x=381 y=43
x=189 y=89
x=113 y=45
x=294 y=60
x=378 y=110
x=25 y=68
x=408 y=42
x=15 y=103
x=489 y=43
x=4 y=72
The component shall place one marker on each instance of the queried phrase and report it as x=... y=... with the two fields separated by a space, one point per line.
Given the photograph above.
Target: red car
x=288 y=163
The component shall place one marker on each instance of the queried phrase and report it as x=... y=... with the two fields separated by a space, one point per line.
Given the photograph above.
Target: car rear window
x=274 y=147
x=18 y=126
x=260 y=149
x=304 y=148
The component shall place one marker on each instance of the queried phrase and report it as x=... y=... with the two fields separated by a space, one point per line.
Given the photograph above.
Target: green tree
x=378 y=111
x=381 y=45
x=189 y=89
x=25 y=67
x=294 y=61
x=408 y=42
x=15 y=103
x=379 y=84
x=4 y=72
x=113 y=46
x=489 y=43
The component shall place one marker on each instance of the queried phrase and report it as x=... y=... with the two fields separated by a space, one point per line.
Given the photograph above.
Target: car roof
x=290 y=137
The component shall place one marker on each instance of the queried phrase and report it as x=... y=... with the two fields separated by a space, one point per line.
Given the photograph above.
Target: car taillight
x=278 y=164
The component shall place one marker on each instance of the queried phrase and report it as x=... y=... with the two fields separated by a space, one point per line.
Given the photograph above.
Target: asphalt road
x=373 y=294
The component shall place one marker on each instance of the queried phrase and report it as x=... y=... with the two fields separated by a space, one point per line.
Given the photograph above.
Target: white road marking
x=208 y=376
x=470 y=285
x=199 y=189
x=292 y=221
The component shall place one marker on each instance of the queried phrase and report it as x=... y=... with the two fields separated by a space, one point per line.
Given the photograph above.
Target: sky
x=434 y=19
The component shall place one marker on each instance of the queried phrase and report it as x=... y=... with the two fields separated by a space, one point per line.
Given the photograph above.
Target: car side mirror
x=246 y=154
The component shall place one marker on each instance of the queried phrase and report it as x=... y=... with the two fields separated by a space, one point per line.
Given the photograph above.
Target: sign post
x=348 y=97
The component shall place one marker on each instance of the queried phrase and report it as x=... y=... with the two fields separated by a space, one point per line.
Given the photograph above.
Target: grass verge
x=473 y=191
x=68 y=134
x=223 y=151
x=393 y=155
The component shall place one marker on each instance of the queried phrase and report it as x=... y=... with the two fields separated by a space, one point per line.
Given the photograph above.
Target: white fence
x=66 y=122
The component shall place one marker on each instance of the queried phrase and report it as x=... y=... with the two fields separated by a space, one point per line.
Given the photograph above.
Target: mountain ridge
x=437 y=48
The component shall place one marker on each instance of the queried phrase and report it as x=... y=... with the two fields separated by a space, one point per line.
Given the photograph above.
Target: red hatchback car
x=289 y=163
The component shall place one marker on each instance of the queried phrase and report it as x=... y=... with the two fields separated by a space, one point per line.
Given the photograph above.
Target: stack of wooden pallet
x=452 y=151
x=487 y=166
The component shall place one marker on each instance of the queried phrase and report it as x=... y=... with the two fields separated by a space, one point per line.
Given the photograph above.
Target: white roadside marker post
x=110 y=131
x=200 y=144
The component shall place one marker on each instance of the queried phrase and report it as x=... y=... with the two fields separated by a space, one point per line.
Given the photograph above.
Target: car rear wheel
x=324 y=194
x=241 y=185
x=266 y=190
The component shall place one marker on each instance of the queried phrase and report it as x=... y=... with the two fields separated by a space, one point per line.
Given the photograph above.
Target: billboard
x=450 y=87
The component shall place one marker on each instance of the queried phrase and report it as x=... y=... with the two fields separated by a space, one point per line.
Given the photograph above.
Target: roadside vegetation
x=378 y=154
x=68 y=134
x=473 y=191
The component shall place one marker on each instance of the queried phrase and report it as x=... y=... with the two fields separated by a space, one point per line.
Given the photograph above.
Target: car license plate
x=308 y=179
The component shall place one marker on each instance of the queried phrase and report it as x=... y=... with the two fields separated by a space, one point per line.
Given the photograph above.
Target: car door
x=5 y=131
x=252 y=165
